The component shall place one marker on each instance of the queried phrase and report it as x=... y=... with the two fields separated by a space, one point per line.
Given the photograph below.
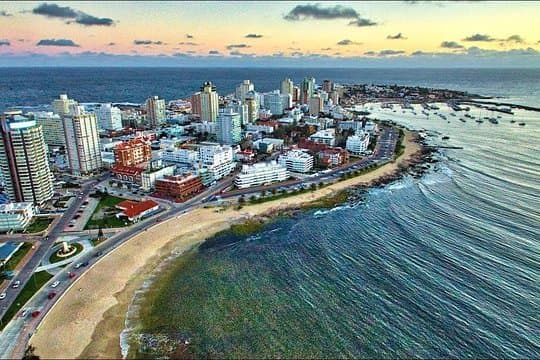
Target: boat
x=512 y=121
x=479 y=121
x=493 y=121
x=462 y=120
x=446 y=137
x=521 y=124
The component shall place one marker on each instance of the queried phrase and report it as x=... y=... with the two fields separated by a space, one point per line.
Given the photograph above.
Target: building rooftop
x=132 y=209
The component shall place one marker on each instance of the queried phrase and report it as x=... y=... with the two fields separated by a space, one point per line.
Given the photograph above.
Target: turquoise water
x=447 y=265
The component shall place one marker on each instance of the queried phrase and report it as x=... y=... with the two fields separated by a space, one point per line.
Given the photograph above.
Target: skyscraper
x=315 y=105
x=242 y=109
x=308 y=87
x=328 y=86
x=276 y=102
x=287 y=86
x=209 y=102
x=23 y=159
x=61 y=106
x=82 y=141
x=228 y=127
x=242 y=89
x=196 y=103
x=109 y=117
x=155 y=112
x=253 y=106
x=52 y=127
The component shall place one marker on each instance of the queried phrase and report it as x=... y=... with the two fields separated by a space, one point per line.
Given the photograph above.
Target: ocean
x=37 y=86
x=447 y=265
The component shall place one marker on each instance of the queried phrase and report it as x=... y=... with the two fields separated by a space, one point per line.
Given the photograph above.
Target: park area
x=104 y=215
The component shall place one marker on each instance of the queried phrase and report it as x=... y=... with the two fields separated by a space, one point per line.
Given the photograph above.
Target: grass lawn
x=38 y=225
x=106 y=202
x=18 y=256
x=33 y=285
x=55 y=258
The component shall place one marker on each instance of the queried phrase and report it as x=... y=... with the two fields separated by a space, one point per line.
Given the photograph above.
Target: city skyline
x=405 y=33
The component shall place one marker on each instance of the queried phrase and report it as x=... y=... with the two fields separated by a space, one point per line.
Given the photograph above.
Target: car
x=51 y=295
x=71 y=275
x=78 y=265
x=35 y=313
x=55 y=284
x=2 y=296
x=24 y=313
x=16 y=284
x=99 y=253
x=85 y=263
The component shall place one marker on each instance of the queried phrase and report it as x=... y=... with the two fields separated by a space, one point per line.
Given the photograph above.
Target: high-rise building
x=24 y=165
x=296 y=94
x=155 y=112
x=242 y=109
x=61 y=106
x=276 y=102
x=287 y=86
x=242 y=89
x=328 y=86
x=315 y=105
x=334 y=96
x=109 y=117
x=196 y=103
x=209 y=102
x=53 y=128
x=253 y=106
x=229 y=127
x=307 y=90
x=82 y=141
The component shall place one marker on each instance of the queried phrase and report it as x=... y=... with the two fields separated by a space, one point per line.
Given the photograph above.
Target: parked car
x=51 y=295
x=35 y=313
x=16 y=284
x=2 y=296
x=24 y=313
x=55 y=284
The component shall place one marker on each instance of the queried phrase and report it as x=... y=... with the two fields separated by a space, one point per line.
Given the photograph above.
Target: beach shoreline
x=88 y=323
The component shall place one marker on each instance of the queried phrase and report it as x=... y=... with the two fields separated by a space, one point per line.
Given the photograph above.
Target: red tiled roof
x=126 y=204
x=138 y=207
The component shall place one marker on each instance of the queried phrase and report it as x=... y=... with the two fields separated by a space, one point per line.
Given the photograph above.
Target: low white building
x=217 y=159
x=260 y=174
x=327 y=137
x=370 y=127
x=148 y=178
x=358 y=144
x=16 y=216
x=297 y=160
x=268 y=145
x=260 y=128
x=183 y=156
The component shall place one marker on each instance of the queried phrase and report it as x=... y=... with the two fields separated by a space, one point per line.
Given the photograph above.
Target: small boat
x=446 y=137
x=512 y=121
x=521 y=124
x=479 y=121
x=493 y=121
x=462 y=120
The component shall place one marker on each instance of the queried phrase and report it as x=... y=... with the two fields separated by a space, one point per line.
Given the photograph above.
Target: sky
x=266 y=33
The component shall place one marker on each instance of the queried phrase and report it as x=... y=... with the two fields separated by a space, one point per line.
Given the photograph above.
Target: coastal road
x=14 y=338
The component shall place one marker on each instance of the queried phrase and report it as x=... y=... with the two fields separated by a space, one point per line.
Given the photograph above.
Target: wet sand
x=88 y=323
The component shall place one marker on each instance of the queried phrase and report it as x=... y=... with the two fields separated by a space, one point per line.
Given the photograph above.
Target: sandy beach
x=87 y=323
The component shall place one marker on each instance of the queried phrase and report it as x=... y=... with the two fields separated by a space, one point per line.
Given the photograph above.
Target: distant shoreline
x=88 y=323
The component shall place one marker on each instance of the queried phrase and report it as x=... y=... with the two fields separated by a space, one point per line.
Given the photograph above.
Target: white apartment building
x=155 y=112
x=53 y=128
x=287 y=87
x=355 y=126
x=357 y=144
x=327 y=137
x=276 y=102
x=217 y=159
x=24 y=166
x=242 y=89
x=61 y=106
x=316 y=103
x=260 y=174
x=260 y=128
x=16 y=216
x=242 y=109
x=229 y=127
x=109 y=117
x=148 y=178
x=209 y=102
x=183 y=156
x=82 y=141
x=296 y=160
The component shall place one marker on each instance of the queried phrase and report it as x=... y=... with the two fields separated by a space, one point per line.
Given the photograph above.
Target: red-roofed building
x=135 y=210
x=333 y=157
x=128 y=173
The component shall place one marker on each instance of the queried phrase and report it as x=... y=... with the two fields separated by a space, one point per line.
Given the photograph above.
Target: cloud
x=362 y=22
x=5 y=43
x=179 y=54
x=398 y=36
x=315 y=11
x=326 y=49
x=237 y=46
x=56 y=42
x=214 y=52
x=253 y=36
x=479 y=37
x=66 y=12
x=390 y=52
x=370 y=53
x=238 y=53
x=451 y=45
x=422 y=53
x=111 y=44
x=514 y=38
x=148 y=42
x=188 y=43
x=89 y=20
x=348 y=42
x=5 y=13
x=189 y=36
x=297 y=53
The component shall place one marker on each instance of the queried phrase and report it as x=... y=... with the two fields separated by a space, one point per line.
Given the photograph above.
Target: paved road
x=15 y=336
